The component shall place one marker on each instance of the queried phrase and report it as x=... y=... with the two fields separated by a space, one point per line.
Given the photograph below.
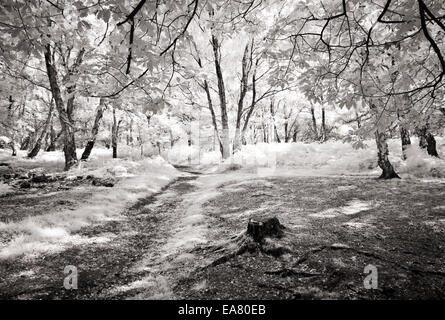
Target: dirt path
x=162 y=246
x=142 y=254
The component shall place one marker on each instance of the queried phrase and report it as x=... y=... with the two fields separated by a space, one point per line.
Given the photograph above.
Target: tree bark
x=323 y=125
x=38 y=144
x=69 y=148
x=13 y=148
x=53 y=139
x=382 y=154
x=265 y=138
x=11 y=126
x=358 y=119
x=286 y=133
x=115 y=133
x=427 y=140
x=314 y=122
x=94 y=131
x=245 y=69
x=406 y=141
x=294 y=135
x=292 y=131
x=212 y=112
x=252 y=106
x=25 y=143
x=431 y=145
x=130 y=134
x=275 y=131
x=222 y=97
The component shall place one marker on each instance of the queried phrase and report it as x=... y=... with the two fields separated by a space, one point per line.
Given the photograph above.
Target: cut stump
x=258 y=237
x=260 y=227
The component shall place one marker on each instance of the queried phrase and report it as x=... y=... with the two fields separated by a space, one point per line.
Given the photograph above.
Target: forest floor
x=165 y=246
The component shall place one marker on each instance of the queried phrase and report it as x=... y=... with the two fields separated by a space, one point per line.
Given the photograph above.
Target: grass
x=335 y=227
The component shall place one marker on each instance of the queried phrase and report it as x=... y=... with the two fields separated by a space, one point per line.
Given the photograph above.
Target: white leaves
x=104 y=15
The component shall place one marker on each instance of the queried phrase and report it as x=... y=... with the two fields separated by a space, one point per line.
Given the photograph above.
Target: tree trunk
x=115 y=133
x=66 y=123
x=13 y=148
x=10 y=123
x=294 y=135
x=358 y=119
x=225 y=138
x=130 y=134
x=382 y=154
x=274 y=127
x=94 y=131
x=314 y=122
x=323 y=125
x=251 y=108
x=286 y=133
x=212 y=112
x=431 y=145
x=52 y=138
x=25 y=143
x=246 y=125
x=38 y=144
x=427 y=140
x=406 y=141
x=277 y=137
x=264 y=133
x=245 y=67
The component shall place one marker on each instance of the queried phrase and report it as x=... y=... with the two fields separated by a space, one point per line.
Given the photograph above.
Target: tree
x=358 y=49
x=225 y=138
x=10 y=124
x=38 y=144
x=95 y=129
x=115 y=133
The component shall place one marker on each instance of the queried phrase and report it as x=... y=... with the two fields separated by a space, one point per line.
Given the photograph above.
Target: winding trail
x=148 y=249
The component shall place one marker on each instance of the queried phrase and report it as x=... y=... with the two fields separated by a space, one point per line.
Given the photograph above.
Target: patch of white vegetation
x=26 y=273
x=436 y=225
x=4 y=189
x=199 y=286
x=357 y=225
x=352 y=207
x=150 y=287
x=329 y=158
x=5 y=140
x=33 y=245
x=346 y=188
x=55 y=231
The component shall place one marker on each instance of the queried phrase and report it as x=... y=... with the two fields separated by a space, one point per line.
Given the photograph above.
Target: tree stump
x=260 y=227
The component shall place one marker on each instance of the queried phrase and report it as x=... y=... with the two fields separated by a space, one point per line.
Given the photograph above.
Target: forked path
x=335 y=226
x=144 y=252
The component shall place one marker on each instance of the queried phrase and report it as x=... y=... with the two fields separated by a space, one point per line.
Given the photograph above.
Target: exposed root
x=245 y=243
